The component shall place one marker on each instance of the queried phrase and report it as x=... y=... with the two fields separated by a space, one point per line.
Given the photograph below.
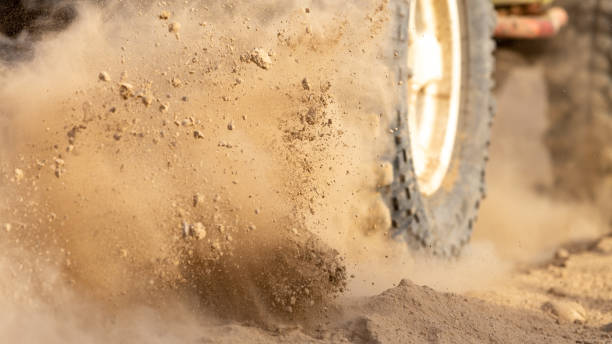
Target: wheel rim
x=434 y=58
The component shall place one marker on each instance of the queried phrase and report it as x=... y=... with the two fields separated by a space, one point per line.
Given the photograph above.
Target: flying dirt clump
x=261 y=58
x=295 y=276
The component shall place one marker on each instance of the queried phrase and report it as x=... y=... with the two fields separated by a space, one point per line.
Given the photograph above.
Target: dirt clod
x=146 y=99
x=19 y=175
x=605 y=245
x=562 y=254
x=174 y=27
x=104 y=76
x=126 y=90
x=385 y=174
x=199 y=230
x=176 y=82
x=198 y=199
x=261 y=58
x=566 y=311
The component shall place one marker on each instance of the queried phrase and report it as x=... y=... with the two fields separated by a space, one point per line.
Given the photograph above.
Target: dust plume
x=521 y=217
x=478 y=268
x=200 y=157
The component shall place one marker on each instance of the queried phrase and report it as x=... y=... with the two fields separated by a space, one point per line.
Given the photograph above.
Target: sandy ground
x=166 y=184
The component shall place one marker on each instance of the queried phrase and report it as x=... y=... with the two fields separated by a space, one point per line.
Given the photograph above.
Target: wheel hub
x=434 y=58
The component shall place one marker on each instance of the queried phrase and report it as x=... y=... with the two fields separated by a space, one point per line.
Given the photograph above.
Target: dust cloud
x=521 y=217
x=187 y=160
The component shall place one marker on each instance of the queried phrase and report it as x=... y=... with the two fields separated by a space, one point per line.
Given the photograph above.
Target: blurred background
x=550 y=174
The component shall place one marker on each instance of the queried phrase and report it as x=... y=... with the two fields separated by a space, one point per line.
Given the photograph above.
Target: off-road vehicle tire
x=441 y=220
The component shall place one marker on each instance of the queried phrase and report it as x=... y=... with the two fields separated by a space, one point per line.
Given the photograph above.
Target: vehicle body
x=528 y=19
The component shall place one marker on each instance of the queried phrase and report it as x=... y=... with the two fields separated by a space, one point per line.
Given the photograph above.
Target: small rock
x=379 y=217
x=164 y=107
x=566 y=311
x=326 y=87
x=252 y=227
x=305 y=84
x=147 y=100
x=103 y=76
x=7 y=227
x=174 y=27
x=231 y=126
x=126 y=90
x=198 y=134
x=19 y=175
x=385 y=174
x=186 y=229
x=197 y=199
x=176 y=82
x=562 y=254
x=557 y=292
x=165 y=15
x=261 y=58
x=607 y=328
x=605 y=245
x=199 y=230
